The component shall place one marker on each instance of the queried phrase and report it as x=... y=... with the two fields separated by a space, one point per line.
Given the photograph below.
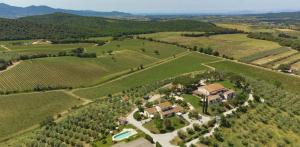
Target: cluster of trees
x=60 y=26
x=282 y=39
x=72 y=41
x=272 y=106
x=217 y=32
x=4 y=64
x=93 y=123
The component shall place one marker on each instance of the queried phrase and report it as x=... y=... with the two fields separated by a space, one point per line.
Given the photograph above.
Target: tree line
x=282 y=39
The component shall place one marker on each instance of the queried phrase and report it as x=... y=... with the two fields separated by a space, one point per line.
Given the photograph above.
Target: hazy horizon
x=167 y=6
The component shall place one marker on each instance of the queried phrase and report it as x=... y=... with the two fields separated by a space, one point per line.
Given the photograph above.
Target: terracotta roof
x=213 y=87
x=151 y=110
x=176 y=109
x=228 y=92
x=165 y=105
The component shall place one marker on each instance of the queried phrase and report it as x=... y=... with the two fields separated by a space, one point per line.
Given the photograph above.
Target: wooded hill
x=62 y=25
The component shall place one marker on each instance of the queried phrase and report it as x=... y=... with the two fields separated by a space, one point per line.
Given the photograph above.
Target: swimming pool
x=126 y=133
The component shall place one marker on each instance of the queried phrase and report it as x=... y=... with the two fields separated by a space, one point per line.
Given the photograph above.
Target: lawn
x=194 y=101
x=186 y=64
x=289 y=83
x=22 y=111
x=176 y=122
x=233 y=45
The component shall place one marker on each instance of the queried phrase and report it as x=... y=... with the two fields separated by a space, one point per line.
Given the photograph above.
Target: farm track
x=6 y=48
x=149 y=66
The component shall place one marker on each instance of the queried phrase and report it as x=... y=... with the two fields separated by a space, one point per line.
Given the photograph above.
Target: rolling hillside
x=62 y=25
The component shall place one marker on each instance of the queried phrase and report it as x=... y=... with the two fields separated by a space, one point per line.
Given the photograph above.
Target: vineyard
x=21 y=111
x=232 y=45
x=186 y=64
x=55 y=73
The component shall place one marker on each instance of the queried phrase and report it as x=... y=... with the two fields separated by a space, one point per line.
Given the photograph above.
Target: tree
x=143 y=49
x=137 y=116
x=182 y=134
x=156 y=52
x=48 y=121
x=224 y=122
x=168 y=124
x=158 y=144
x=197 y=127
x=284 y=67
x=149 y=138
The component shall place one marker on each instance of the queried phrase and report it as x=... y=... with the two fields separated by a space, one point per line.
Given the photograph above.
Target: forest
x=61 y=26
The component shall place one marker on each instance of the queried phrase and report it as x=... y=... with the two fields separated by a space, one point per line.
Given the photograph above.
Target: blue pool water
x=123 y=135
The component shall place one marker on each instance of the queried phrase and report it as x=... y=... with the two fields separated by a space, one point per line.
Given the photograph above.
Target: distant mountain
x=279 y=15
x=7 y=11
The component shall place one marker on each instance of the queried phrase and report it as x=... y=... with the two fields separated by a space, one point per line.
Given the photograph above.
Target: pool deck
x=132 y=133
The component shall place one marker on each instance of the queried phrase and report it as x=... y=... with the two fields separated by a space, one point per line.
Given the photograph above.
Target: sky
x=165 y=6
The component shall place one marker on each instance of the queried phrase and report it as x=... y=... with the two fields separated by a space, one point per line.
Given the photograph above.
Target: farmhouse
x=150 y=112
x=211 y=89
x=165 y=109
x=214 y=92
x=165 y=106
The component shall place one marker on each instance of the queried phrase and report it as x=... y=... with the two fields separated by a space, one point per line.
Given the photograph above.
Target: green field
x=289 y=83
x=186 y=64
x=165 y=50
x=233 y=45
x=22 y=111
x=194 y=101
x=27 y=45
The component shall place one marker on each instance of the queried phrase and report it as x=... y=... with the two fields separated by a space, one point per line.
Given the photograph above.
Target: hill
x=7 y=11
x=62 y=25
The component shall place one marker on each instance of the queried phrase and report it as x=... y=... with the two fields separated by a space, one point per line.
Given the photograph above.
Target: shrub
x=158 y=144
x=149 y=138
x=137 y=116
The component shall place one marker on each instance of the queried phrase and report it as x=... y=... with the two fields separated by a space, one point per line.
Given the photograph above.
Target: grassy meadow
x=186 y=64
x=233 y=45
x=22 y=111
